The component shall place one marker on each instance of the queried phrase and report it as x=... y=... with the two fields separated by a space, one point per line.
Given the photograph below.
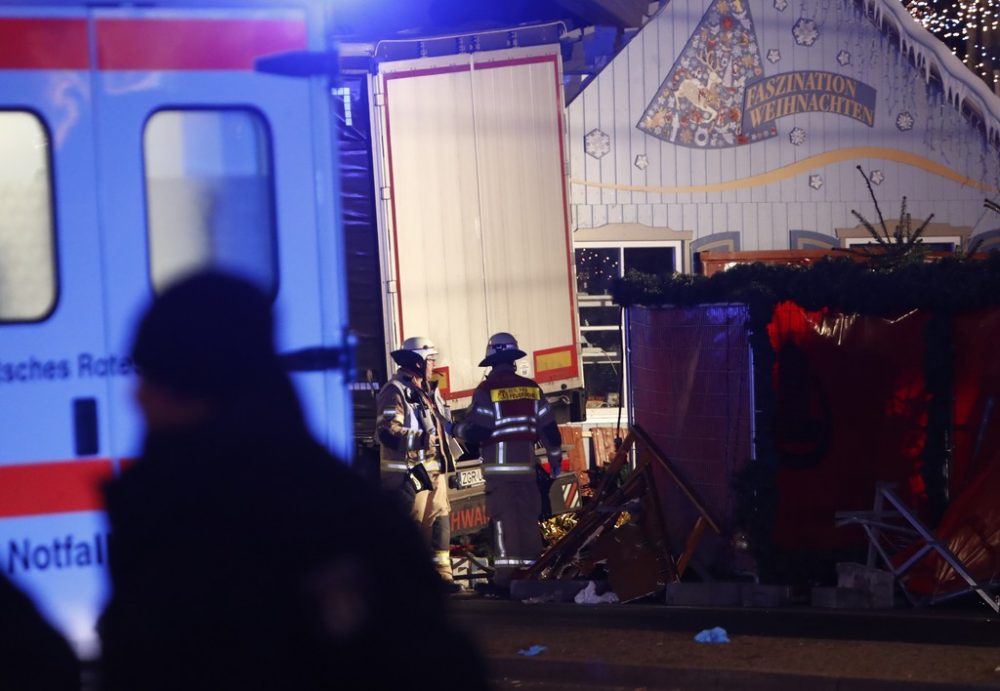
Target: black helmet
x=502 y=347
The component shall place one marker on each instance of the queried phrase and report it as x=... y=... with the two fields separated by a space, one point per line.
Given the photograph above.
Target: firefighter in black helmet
x=508 y=415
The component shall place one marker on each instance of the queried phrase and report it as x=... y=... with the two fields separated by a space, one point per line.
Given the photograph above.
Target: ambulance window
x=27 y=242
x=209 y=195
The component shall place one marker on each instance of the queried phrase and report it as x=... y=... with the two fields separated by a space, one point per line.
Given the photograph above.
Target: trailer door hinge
x=386 y=193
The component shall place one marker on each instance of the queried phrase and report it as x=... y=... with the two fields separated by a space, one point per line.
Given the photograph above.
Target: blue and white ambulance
x=138 y=143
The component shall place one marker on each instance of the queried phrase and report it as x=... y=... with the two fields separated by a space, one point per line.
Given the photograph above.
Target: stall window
x=27 y=234
x=598 y=264
x=209 y=195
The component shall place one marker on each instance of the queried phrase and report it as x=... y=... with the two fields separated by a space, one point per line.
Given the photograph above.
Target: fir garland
x=948 y=285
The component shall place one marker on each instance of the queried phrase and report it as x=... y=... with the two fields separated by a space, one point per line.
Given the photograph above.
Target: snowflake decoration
x=844 y=58
x=773 y=55
x=904 y=121
x=596 y=143
x=805 y=31
x=815 y=181
x=877 y=177
x=641 y=161
x=780 y=5
x=797 y=136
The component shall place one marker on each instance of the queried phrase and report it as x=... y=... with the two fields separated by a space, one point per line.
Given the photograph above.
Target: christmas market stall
x=847 y=376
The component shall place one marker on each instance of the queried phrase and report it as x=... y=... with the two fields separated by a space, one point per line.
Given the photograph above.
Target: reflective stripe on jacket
x=508 y=415
x=398 y=428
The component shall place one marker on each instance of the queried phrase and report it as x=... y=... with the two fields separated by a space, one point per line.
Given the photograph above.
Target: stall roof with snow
x=740 y=124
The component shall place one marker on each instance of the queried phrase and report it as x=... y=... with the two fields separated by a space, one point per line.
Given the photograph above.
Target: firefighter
x=508 y=415
x=413 y=429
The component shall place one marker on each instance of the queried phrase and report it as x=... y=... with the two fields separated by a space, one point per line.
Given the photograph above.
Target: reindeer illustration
x=704 y=95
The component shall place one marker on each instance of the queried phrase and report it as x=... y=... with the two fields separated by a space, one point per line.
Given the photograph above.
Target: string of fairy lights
x=596 y=269
x=971 y=28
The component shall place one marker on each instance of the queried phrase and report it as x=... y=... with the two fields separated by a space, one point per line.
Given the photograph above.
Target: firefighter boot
x=441 y=545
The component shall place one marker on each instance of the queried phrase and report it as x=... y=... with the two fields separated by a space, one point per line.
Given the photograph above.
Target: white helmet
x=414 y=351
x=502 y=347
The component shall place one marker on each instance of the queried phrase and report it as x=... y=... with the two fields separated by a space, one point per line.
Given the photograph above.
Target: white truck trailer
x=470 y=171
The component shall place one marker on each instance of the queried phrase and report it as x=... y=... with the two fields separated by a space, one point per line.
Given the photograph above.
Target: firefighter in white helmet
x=413 y=428
x=508 y=415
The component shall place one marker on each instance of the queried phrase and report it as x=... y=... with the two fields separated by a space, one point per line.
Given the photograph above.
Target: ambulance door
x=54 y=367
x=207 y=163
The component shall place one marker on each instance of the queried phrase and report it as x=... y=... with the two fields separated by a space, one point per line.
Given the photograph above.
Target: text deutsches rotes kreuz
x=33 y=369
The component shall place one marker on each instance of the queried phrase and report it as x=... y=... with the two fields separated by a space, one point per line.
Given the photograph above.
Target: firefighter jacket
x=411 y=426
x=507 y=416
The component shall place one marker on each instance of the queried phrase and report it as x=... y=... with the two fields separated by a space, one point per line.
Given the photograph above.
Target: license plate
x=471 y=477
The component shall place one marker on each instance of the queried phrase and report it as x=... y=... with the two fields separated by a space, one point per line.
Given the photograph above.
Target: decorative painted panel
x=809 y=240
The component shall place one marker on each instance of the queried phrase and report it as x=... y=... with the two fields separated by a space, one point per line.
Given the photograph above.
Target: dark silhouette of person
x=33 y=655
x=244 y=556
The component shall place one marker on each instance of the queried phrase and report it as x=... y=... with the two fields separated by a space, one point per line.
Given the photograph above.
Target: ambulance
x=137 y=143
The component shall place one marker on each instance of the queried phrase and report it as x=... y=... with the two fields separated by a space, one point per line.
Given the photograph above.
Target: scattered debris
x=716 y=635
x=589 y=596
x=540 y=599
x=621 y=529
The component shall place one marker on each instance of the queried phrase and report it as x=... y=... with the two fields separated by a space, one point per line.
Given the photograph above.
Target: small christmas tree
x=903 y=246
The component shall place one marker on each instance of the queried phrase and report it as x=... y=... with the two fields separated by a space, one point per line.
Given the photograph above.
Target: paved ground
x=651 y=647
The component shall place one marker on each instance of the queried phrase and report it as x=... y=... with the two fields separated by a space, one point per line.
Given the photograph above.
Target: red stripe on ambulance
x=42 y=488
x=43 y=44
x=193 y=44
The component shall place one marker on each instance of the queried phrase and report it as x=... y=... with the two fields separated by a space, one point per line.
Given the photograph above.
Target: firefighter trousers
x=513 y=504
x=432 y=512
